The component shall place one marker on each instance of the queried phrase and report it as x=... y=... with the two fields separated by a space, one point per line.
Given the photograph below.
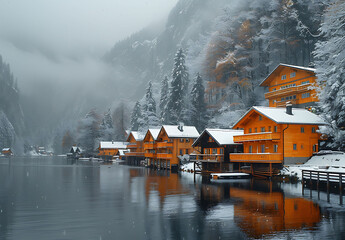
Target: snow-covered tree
x=7 y=132
x=88 y=132
x=106 y=127
x=137 y=121
x=198 y=108
x=121 y=121
x=149 y=109
x=164 y=98
x=330 y=66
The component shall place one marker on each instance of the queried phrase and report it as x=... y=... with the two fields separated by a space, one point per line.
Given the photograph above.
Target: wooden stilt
x=328 y=187
x=341 y=188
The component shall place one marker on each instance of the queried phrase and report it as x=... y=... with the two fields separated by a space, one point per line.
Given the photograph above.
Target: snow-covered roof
x=122 y=152
x=187 y=131
x=113 y=145
x=138 y=136
x=6 y=149
x=154 y=133
x=279 y=115
x=287 y=65
x=221 y=136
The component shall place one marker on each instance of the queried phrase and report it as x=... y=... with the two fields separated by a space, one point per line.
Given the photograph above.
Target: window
x=283 y=77
x=187 y=140
x=293 y=74
x=187 y=151
x=313 y=130
x=262 y=129
x=275 y=148
x=250 y=130
x=256 y=130
x=294 y=96
x=275 y=129
x=305 y=95
x=274 y=89
x=260 y=117
x=269 y=128
x=206 y=151
x=302 y=129
x=295 y=147
x=304 y=82
x=221 y=151
x=181 y=140
x=214 y=150
x=315 y=148
x=181 y=152
x=302 y=146
x=262 y=148
x=282 y=99
x=250 y=150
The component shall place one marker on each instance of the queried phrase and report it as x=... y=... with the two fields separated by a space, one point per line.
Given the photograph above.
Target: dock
x=232 y=175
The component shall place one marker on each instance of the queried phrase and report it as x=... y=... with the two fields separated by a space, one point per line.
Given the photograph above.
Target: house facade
x=109 y=149
x=150 y=146
x=288 y=83
x=135 y=148
x=173 y=143
x=276 y=136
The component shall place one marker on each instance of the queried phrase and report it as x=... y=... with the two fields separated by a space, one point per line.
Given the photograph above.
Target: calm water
x=55 y=198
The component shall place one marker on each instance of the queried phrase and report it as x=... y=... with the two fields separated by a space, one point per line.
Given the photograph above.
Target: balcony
x=164 y=155
x=206 y=157
x=256 y=137
x=150 y=155
x=257 y=157
x=132 y=145
x=287 y=91
x=164 y=144
x=150 y=145
x=134 y=154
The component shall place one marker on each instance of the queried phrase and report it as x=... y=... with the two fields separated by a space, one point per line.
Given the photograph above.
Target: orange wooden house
x=7 y=152
x=276 y=136
x=173 y=143
x=108 y=150
x=150 y=146
x=213 y=147
x=136 y=148
x=291 y=83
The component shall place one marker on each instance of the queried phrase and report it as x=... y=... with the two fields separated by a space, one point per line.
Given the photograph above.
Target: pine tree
x=164 y=98
x=198 y=109
x=136 y=117
x=149 y=108
x=330 y=66
x=178 y=89
x=88 y=132
x=107 y=127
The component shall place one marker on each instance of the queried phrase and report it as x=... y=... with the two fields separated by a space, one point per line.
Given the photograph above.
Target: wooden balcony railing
x=150 y=155
x=150 y=145
x=135 y=154
x=256 y=157
x=132 y=145
x=207 y=157
x=256 y=137
x=287 y=91
x=164 y=155
x=164 y=144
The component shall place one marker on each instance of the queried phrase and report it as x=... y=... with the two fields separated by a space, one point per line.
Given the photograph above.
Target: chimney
x=289 y=108
x=180 y=126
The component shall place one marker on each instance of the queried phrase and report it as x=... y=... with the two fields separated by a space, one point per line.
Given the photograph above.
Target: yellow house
x=295 y=84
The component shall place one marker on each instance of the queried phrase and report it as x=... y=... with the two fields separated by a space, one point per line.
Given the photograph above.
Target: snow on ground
x=188 y=167
x=325 y=161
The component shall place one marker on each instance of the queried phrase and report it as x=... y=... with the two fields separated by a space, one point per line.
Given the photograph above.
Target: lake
x=56 y=198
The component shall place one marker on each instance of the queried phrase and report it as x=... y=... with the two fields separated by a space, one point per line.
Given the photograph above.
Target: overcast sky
x=48 y=35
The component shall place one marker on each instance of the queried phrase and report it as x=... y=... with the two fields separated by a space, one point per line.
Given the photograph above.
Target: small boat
x=233 y=175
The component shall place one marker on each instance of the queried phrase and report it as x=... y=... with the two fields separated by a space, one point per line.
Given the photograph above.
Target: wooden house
x=291 y=83
x=214 y=146
x=276 y=136
x=108 y=150
x=150 y=146
x=174 y=142
x=75 y=152
x=7 y=152
x=135 y=148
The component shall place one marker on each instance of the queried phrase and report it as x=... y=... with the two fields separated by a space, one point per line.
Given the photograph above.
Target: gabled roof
x=138 y=136
x=187 y=131
x=154 y=133
x=6 y=149
x=279 y=115
x=220 y=136
x=282 y=65
x=112 y=145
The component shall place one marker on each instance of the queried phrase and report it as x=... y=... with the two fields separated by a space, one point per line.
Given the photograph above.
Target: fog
x=54 y=50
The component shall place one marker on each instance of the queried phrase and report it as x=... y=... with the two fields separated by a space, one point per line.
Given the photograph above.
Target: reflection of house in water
x=261 y=213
